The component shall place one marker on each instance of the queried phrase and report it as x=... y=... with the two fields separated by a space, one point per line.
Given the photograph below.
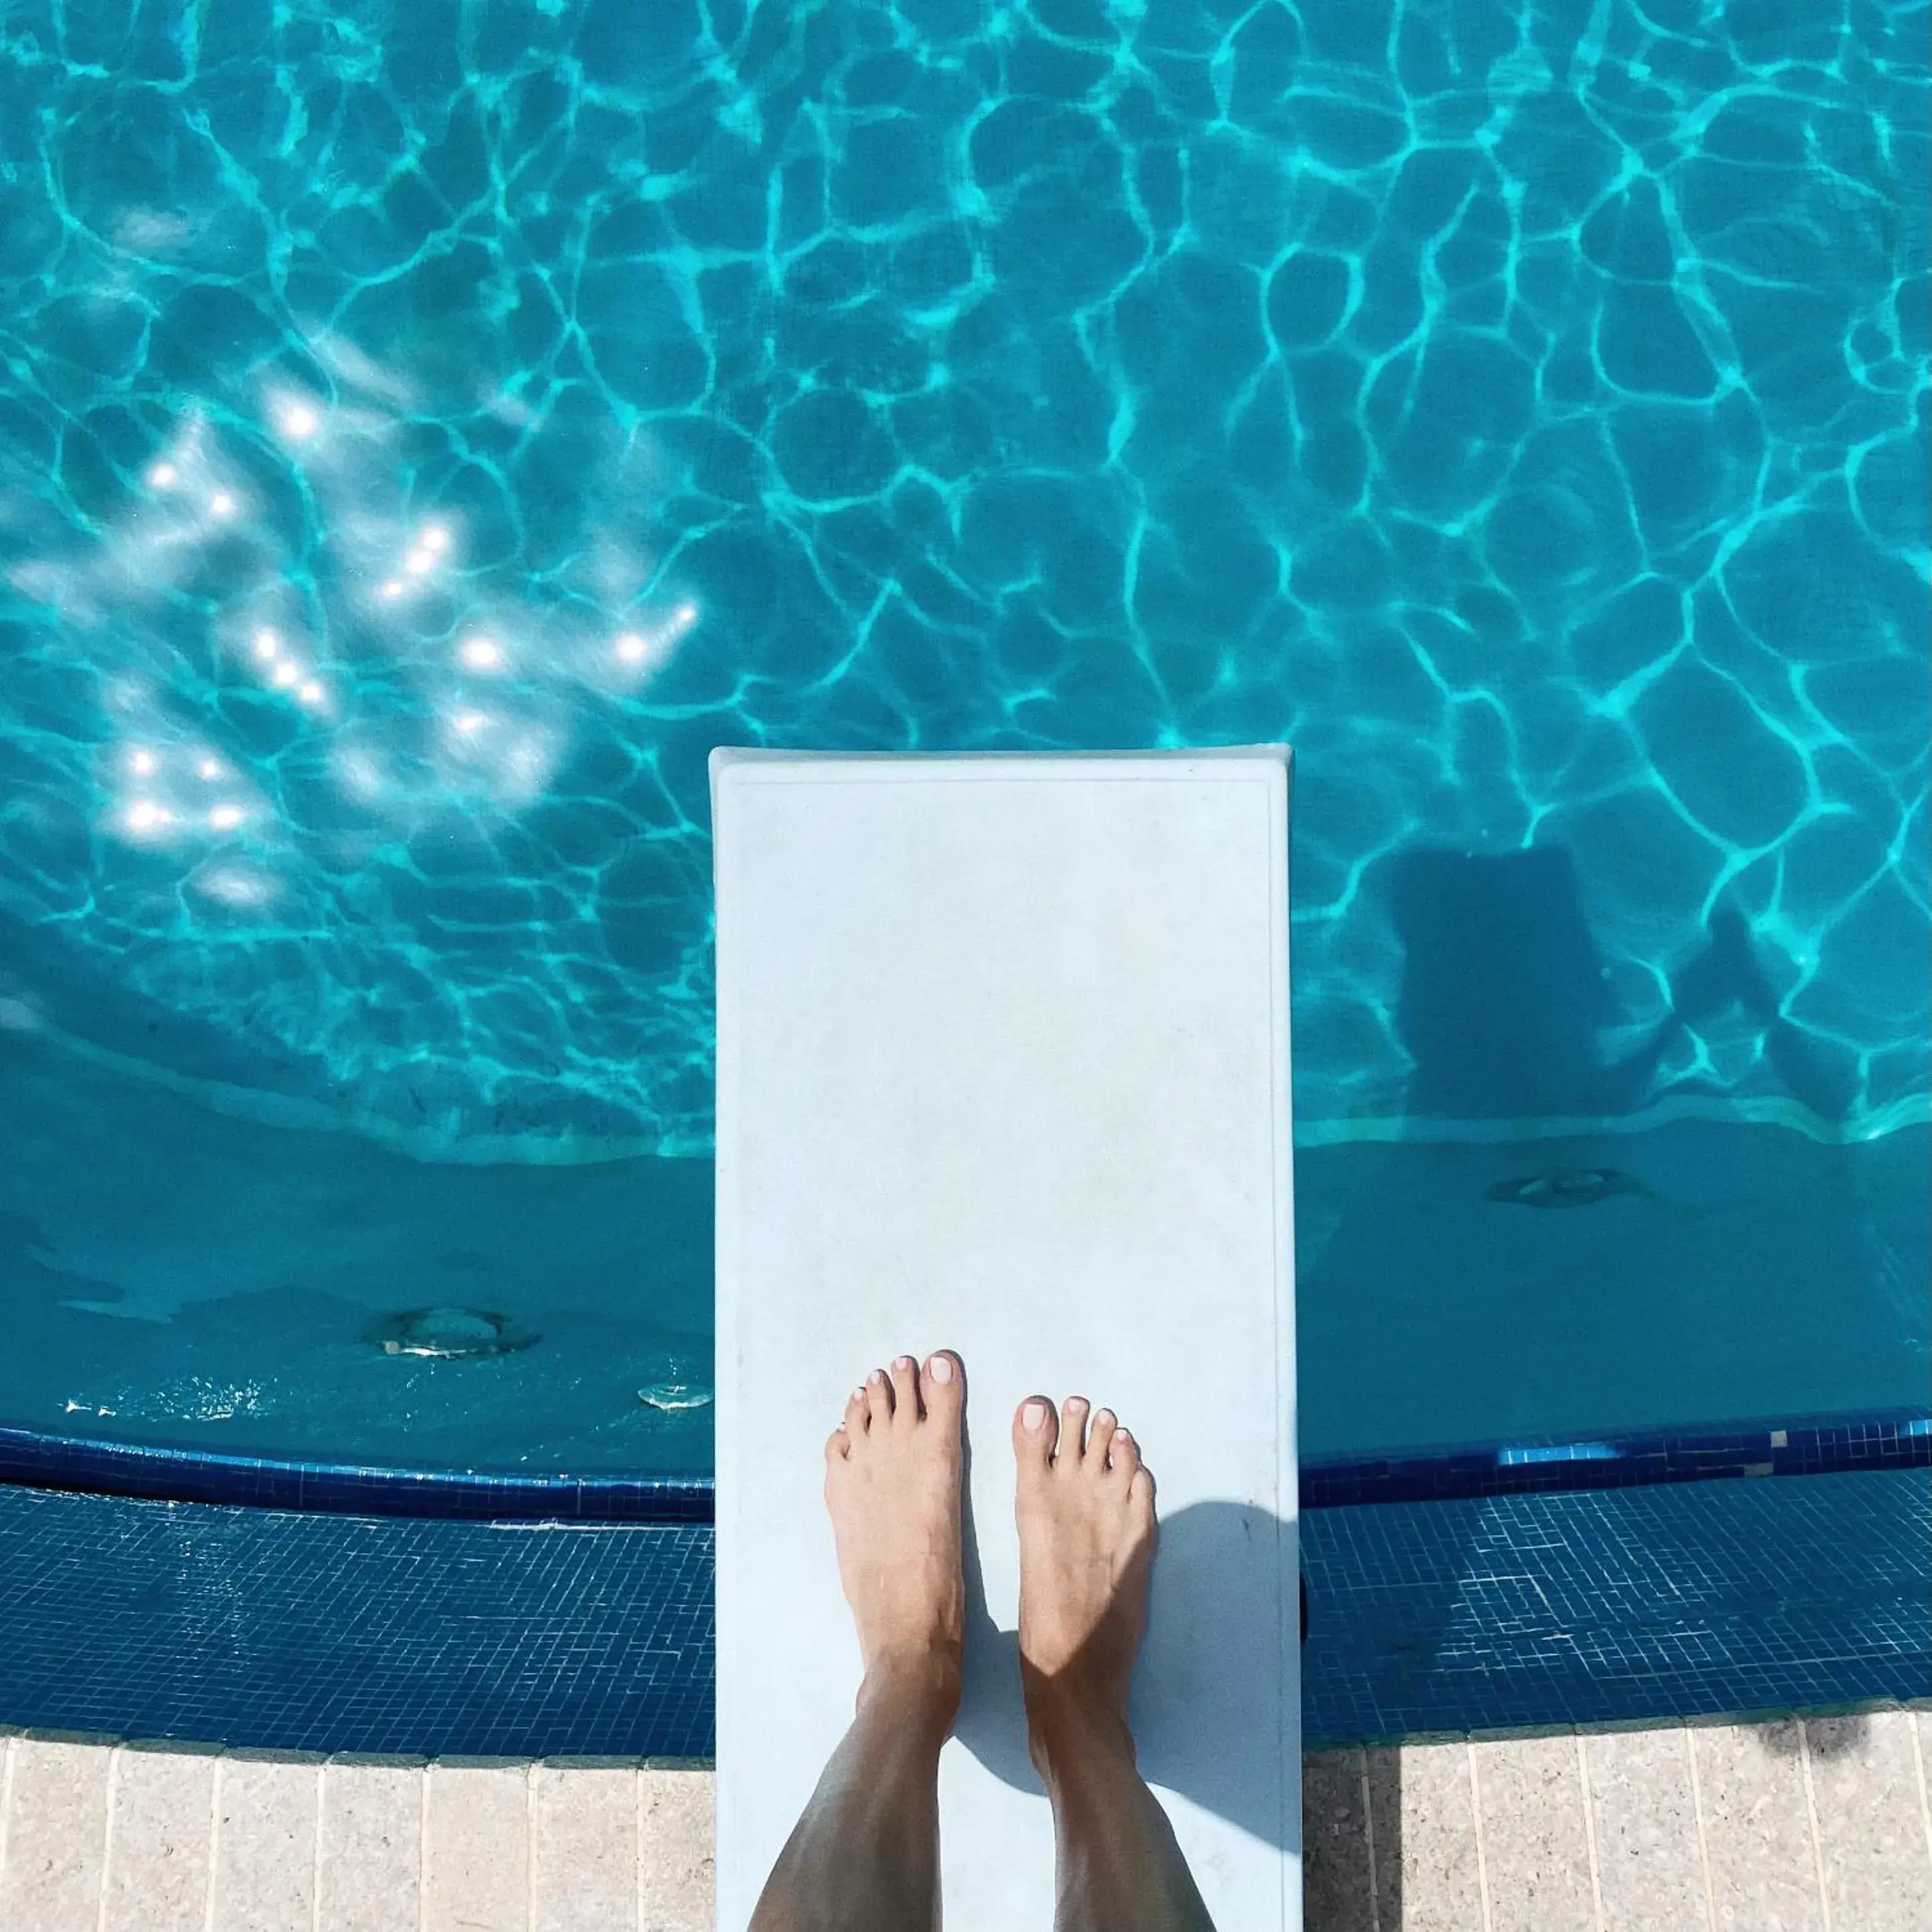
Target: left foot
x=893 y=1473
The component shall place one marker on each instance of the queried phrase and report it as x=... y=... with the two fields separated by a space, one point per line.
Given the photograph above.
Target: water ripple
x=425 y=431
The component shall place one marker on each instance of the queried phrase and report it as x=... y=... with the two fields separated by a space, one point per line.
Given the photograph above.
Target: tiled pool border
x=1801 y=1446
x=310 y=1630
x=157 y=1474
x=1810 y=1445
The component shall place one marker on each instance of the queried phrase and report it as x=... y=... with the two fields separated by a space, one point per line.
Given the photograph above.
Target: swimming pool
x=425 y=431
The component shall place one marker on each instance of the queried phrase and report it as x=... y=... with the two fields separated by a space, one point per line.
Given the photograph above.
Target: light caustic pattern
x=426 y=430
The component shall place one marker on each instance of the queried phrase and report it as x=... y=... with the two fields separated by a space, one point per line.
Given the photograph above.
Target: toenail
x=904 y=1362
x=1033 y=1415
x=877 y=1376
x=859 y=1394
x=940 y=1369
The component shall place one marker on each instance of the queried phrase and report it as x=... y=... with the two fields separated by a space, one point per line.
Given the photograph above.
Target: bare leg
x=1085 y=1506
x=865 y=1857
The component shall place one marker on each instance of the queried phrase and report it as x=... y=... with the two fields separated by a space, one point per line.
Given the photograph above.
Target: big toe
x=942 y=1388
x=1036 y=1430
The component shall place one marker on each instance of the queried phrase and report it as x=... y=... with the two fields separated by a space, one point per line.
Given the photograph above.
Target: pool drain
x=450 y=1333
x=672 y=1398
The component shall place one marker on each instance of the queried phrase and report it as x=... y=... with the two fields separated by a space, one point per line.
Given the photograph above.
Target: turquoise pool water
x=426 y=430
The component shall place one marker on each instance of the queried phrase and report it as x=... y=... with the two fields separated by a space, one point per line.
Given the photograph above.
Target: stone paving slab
x=1816 y=1824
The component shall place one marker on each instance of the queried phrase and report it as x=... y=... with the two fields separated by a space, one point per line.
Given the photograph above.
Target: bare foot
x=1085 y=1506
x=892 y=1471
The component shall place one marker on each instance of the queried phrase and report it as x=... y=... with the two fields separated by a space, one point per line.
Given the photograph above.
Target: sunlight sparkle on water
x=235 y=885
x=646 y=649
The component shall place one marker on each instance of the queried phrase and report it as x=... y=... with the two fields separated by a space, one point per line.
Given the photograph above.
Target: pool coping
x=1798 y=1446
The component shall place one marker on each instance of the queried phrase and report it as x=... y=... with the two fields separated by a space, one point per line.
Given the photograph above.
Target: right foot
x=1085 y=1509
x=893 y=1472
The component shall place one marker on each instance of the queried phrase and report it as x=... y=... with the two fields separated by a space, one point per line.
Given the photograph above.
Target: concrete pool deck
x=1820 y=1824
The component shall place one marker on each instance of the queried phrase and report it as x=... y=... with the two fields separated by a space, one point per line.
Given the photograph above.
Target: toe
x=837 y=1445
x=1072 y=1429
x=1035 y=1430
x=905 y=1389
x=1100 y=1439
x=858 y=1412
x=1123 y=1456
x=879 y=1398
x=942 y=1386
x=1140 y=1491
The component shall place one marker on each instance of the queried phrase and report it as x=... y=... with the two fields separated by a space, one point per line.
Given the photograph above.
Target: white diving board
x=1002 y=1066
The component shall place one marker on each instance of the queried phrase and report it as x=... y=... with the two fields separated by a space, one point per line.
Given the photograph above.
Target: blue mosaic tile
x=318 y=1631
x=1617 y=1605
x=312 y=1631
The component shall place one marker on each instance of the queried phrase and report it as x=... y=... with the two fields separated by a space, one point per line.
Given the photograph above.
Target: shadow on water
x=1207 y=1647
x=1726 y=973
x=1504 y=1002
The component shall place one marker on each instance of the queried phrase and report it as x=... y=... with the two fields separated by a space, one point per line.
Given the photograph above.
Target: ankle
x=1070 y=1723
x=917 y=1680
